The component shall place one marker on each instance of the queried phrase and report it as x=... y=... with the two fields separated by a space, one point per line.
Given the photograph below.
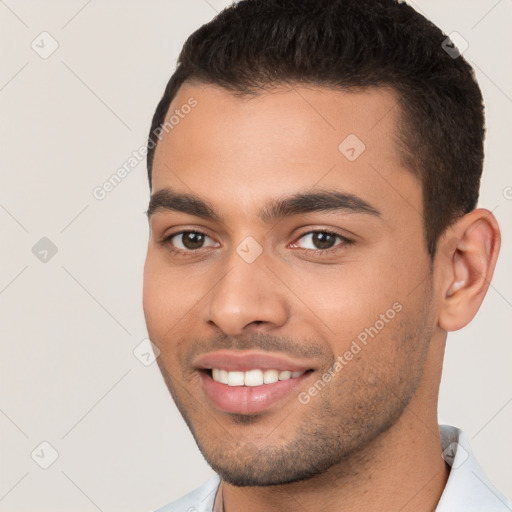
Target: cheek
x=167 y=289
x=170 y=301
x=154 y=300
x=161 y=309
x=363 y=300
x=346 y=299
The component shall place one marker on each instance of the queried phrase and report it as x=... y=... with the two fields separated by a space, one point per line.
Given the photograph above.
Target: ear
x=465 y=259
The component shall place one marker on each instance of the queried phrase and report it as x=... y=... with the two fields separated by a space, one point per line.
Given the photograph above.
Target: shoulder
x=198 y=500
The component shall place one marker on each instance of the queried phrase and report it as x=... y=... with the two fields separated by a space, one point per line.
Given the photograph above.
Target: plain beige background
x=70 y=323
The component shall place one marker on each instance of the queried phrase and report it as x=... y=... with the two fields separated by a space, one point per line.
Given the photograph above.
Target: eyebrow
x=276 y=209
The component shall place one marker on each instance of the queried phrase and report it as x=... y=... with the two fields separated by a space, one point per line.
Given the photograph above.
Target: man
x=314 y=168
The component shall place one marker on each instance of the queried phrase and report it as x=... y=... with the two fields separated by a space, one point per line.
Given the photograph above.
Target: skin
x=369 y=439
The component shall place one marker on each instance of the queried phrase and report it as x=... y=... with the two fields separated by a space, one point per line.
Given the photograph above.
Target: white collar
x=467 y=488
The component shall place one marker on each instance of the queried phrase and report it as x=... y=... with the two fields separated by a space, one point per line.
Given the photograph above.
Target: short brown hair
x=352 y=44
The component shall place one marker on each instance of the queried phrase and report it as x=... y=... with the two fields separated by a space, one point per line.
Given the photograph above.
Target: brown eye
x=190 y=240
x=323 y=240
x=320 y=240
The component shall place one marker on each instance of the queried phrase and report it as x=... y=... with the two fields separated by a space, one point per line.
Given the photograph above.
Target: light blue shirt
x=467 y=488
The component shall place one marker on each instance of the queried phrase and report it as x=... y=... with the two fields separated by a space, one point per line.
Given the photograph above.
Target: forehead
x=282 y=140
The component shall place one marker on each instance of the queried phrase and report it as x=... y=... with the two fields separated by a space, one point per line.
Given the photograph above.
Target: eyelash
x=166 y=241
x=344 y=241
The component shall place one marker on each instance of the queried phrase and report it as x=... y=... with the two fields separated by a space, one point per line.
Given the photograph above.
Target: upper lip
x=248 y=360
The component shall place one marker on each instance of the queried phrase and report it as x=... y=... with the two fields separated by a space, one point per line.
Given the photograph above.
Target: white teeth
x=251 y=378
x=222 y=376
x=235 y=378
x=270 y=376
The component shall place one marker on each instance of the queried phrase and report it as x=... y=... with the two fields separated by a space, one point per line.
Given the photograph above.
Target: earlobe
x=466 y=258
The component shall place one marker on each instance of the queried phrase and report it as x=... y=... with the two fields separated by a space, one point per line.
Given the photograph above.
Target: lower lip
x=248 y=399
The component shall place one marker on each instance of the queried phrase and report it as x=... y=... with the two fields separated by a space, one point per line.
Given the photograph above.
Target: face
x=287 y=283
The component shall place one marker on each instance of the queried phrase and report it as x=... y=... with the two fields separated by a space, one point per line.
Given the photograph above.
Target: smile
x=252 y=378
x=250 y=382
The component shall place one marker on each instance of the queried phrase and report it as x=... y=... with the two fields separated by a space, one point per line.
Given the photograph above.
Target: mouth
x=250 y=383
x=252 y=378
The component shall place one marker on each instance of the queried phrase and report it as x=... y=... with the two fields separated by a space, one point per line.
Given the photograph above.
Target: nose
x=248 y=296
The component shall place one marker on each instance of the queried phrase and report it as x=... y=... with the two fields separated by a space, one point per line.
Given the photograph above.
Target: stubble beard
x=331 y=433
